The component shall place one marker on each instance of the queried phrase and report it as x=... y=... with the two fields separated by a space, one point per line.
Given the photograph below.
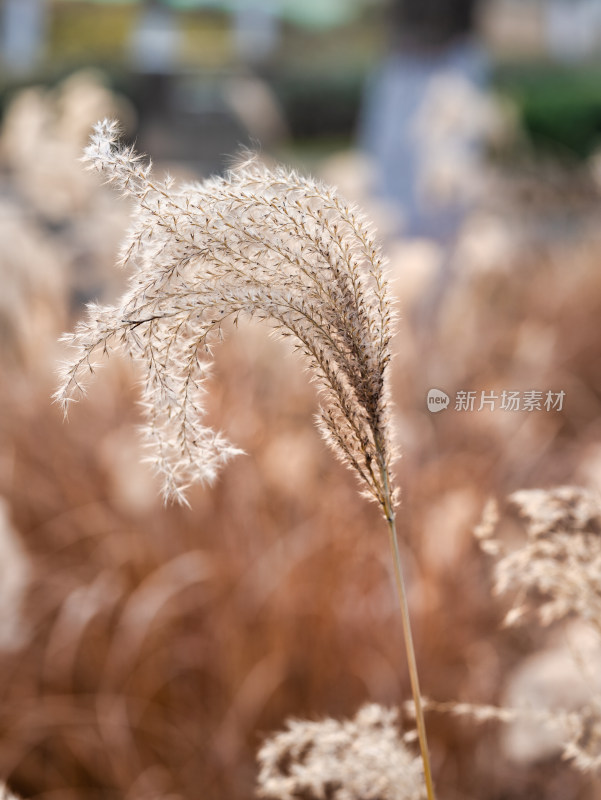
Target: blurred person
x=256 y=30
x=154 y=51
x=416 y=112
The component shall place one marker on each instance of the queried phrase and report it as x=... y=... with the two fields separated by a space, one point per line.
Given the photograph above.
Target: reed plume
x=267 y=244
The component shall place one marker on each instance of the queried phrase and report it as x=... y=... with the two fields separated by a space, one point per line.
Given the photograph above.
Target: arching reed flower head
x=260 y=243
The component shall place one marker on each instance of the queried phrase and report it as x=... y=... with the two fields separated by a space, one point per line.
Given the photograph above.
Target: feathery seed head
x=268 y=244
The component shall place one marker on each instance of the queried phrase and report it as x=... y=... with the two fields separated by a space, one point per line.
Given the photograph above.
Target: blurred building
x=205 y=76
x=564 y=30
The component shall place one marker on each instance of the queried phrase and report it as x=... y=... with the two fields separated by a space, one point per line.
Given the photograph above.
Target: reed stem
x=410 y=650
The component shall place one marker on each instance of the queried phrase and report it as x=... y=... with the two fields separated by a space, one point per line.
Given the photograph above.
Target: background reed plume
x=353 y=759
x=267 y=244
x=559 y=564
x=552 y=700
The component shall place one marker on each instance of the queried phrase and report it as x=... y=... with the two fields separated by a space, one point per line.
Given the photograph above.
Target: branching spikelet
x=560 y=561
x=266 y=244
x=578 y=732
x=359 y=759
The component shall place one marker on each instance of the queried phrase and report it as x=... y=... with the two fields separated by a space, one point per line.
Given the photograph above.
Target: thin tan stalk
x=388 y=509
x=411 y=662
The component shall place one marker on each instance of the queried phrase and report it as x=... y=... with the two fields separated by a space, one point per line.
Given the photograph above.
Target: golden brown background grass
x=161 y=644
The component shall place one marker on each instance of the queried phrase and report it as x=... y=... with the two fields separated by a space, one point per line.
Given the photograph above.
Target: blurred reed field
x=146 y=651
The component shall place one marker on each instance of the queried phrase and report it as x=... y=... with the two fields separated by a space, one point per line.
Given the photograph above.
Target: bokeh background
x=146 y=651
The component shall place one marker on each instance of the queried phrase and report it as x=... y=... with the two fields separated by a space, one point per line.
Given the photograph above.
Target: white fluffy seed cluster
x=261 y=243
x=559 y=564
x=359 y=759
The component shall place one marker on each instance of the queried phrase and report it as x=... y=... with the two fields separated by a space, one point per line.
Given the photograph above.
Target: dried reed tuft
x=359 y=759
